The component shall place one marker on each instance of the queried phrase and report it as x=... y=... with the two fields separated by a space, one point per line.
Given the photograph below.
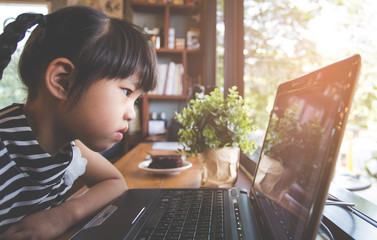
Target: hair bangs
x=122 y=52
x=132 y=53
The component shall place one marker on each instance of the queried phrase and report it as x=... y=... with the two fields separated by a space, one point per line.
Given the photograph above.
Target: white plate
x=144 y=165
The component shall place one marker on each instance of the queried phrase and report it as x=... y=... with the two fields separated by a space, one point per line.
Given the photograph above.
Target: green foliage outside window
x=12 y=89
x=279 y=46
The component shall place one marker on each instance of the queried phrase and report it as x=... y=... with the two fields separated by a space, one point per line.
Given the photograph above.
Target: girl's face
x=103 y=113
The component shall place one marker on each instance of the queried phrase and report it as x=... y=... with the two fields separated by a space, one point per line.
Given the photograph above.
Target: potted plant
x=216 y=127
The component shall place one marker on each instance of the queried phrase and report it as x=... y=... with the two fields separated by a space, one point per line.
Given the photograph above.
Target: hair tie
x=43 y=20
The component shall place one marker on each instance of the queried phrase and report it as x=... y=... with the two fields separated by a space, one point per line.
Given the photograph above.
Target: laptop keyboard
x=186 y=215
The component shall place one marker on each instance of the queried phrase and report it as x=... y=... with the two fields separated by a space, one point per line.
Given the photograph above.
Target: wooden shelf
x=167 y=97
x=148 y=7
x=183 y=50
x=161 y=15
x=161 y=7
x=182 y=9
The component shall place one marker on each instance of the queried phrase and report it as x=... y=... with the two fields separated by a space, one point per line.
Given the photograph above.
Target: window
x=11 y=87
x=286 y=38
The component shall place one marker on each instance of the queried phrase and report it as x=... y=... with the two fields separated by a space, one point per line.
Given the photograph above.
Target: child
x=83 y=72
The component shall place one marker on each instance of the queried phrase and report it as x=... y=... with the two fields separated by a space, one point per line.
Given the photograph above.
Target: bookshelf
x=183 y=51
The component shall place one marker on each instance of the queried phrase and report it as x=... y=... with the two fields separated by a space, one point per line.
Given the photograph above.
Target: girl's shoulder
x=13 y=120
x=11 y=111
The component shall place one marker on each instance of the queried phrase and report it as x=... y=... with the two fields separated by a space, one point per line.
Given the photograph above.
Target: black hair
x=99 y=47
x=13 y=33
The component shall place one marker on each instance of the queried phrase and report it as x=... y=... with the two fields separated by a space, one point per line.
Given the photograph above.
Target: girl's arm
x=105 y=183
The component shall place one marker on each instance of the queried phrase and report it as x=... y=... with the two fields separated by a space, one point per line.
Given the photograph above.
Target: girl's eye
x=127 y=91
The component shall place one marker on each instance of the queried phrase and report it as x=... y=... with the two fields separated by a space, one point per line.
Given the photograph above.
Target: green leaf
x=215 y=122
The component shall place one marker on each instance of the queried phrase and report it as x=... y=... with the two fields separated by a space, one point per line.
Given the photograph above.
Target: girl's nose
x=130 y=113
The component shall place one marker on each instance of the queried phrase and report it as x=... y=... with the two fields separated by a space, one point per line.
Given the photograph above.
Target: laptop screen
x=300 y=148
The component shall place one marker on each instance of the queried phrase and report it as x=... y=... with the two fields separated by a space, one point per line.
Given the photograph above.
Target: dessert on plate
x=165 y=161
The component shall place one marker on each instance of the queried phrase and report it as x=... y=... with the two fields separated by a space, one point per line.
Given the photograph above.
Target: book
x=169 y=83
x=178 y=87
x=161 y=78
x=169 y=79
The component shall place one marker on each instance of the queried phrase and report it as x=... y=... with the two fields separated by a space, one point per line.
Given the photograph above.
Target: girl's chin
x=102 y=147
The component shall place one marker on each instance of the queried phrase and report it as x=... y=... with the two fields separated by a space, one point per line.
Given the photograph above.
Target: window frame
x=234 y=62
x=233 y=45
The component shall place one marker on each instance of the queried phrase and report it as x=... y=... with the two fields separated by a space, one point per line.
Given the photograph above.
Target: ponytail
x=15 y=32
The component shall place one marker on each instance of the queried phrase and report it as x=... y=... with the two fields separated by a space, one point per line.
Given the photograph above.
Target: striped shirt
x=31 y=180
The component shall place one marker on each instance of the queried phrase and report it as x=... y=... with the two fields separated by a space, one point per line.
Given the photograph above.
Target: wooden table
x=139 y=178
x=135 y=177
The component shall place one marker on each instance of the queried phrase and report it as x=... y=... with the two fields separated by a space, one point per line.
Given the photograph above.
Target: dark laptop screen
x=301 y=142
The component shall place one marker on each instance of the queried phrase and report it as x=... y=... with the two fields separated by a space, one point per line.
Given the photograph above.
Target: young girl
x=83 y=71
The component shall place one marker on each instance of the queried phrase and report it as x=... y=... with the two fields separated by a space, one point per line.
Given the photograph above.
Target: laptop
x=291 y=180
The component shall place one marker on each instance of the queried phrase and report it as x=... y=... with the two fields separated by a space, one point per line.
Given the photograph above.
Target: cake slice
x=166 y=161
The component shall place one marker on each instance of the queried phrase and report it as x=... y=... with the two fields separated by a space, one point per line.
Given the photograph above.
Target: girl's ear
x=59 y=77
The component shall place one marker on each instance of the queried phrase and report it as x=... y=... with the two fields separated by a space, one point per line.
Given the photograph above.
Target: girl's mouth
x=119 y=136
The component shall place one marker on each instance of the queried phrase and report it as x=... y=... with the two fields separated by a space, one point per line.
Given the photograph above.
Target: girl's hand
x=42 y=225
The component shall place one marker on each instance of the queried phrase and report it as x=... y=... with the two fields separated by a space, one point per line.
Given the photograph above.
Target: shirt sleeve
x=76 y=168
